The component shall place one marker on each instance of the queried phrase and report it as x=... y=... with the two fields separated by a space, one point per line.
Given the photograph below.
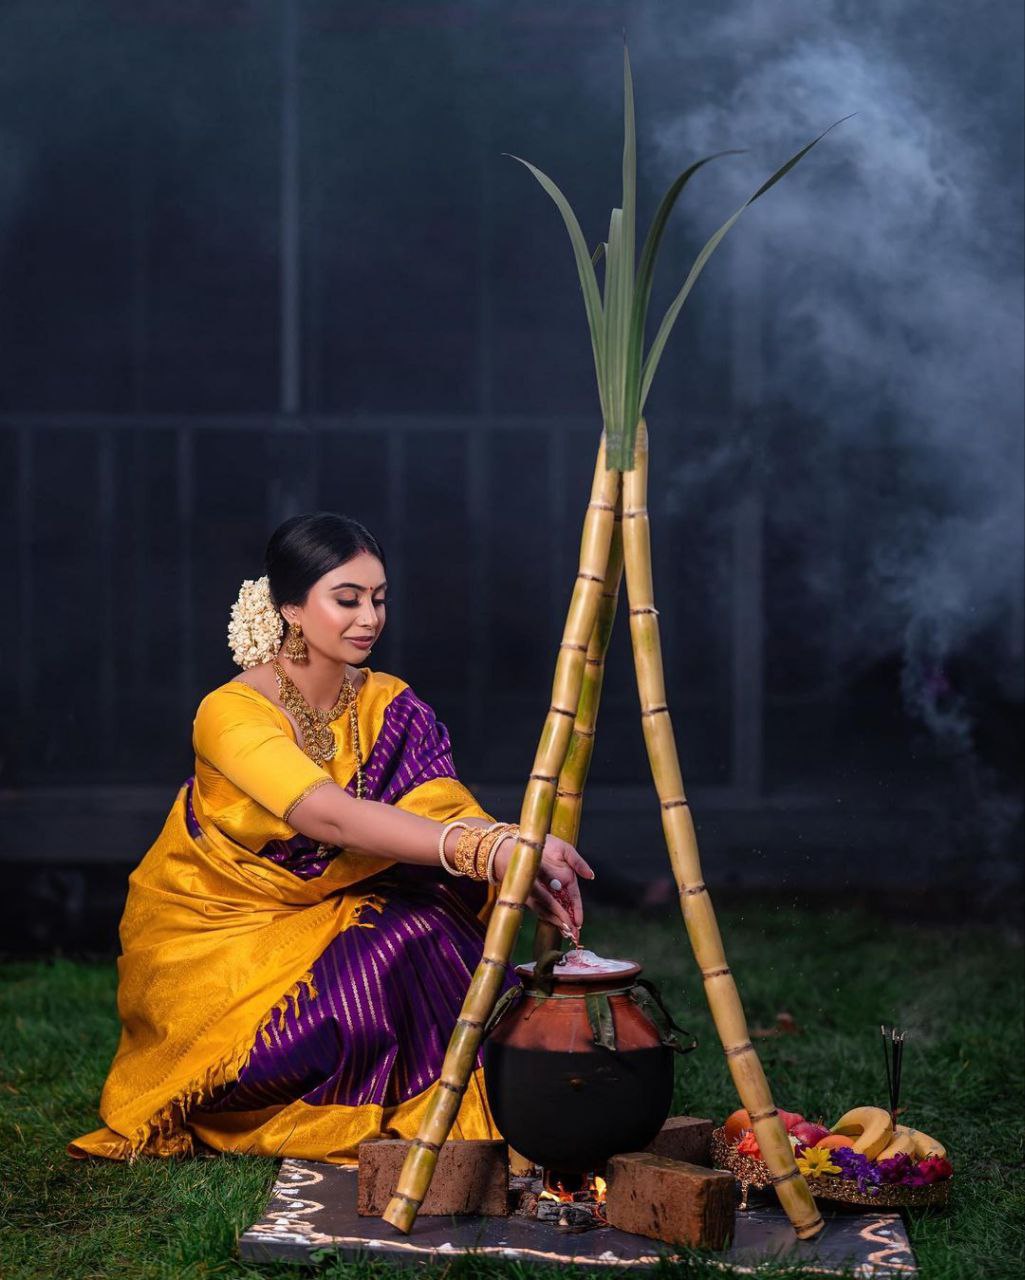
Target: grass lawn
x=958 y=991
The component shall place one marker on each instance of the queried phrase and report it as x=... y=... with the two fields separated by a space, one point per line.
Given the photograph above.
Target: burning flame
x=592 y=1191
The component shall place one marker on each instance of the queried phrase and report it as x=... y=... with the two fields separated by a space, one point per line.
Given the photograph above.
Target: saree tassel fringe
x=535 y=820
x=569 y=795
x=695 y=902
x=165 y=1133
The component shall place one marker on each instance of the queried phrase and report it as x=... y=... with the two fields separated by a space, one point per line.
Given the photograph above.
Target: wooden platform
x=312 y=1209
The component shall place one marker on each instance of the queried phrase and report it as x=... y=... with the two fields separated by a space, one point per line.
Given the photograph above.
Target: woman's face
x=344 y=606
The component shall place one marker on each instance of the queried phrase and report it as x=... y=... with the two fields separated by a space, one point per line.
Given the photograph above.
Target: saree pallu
x=278 y=996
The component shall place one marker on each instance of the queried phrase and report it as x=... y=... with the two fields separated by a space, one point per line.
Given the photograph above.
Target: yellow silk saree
x=278 y=996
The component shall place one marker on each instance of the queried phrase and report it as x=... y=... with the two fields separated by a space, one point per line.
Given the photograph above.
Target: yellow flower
x=816 y=1160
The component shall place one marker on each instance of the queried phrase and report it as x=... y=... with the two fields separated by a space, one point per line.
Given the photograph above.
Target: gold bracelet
x=466 y=850
x=494 y=834
x=441 y=844
x=494 y=850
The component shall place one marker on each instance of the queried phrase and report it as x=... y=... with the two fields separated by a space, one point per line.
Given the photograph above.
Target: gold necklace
x=318 y=742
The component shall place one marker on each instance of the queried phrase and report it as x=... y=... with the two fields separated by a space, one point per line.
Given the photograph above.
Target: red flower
x=934 y=1169
x=748 y=1145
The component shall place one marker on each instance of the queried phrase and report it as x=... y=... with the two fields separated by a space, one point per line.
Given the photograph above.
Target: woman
x=297 y=944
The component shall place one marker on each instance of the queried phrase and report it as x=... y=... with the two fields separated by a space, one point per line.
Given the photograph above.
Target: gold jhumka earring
x=295 y=645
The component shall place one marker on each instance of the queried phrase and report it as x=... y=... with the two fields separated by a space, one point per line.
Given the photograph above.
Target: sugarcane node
x=563 y=712
x=764 y=1115
x=675 y=804
x=585 y=733
x=635 y=511
x=591 y=577
x=644 y=608
x=810 y=1228
x=427 y=1146
x=654 y=711
x=498 y=964
x=601 y=506
x=686 y=889
x=469 y=1022
x=785 y=1177
x=746 y=1047
x=715 y=973
x=574 y=795
x=411 y=1200
x=458 y=1089
x=593 y=662
x=609 y=595
x=512 y=906
x=568 y=644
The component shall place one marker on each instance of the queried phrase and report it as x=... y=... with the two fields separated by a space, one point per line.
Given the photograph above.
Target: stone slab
x=670 y=1200
x=686 y=1138
x=312 y=1211
x=471 y=1176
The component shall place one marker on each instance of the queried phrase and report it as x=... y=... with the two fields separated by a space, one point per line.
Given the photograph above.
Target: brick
x=471 y=1176
x=685 y=1138
x=670 y=1200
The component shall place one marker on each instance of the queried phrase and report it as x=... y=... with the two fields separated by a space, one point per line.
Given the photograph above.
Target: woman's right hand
x=559 y=861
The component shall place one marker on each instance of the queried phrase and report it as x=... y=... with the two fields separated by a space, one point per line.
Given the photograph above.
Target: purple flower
x=896 y=1169
x=852 y=1163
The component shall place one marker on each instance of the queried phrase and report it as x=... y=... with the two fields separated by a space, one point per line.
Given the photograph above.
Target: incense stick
x=893 y=1059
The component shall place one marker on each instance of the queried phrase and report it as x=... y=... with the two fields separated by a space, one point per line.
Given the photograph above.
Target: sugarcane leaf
x=613 y=259
x=585 y=269
x=629 y=236
x=645 y=276
x=665 y=328
x=599 y=253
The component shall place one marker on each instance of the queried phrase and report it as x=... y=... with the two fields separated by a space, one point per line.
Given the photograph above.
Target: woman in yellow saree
x=297 y=942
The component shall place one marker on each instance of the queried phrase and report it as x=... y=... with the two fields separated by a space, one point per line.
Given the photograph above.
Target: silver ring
x=555 y=885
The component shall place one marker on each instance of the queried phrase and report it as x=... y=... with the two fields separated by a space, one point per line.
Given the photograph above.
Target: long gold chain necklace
x=318 y=741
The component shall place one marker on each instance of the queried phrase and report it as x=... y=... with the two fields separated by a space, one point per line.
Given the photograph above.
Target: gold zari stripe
x=307 y=791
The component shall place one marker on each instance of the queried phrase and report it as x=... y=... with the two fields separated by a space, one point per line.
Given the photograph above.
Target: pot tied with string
x=578 y=1061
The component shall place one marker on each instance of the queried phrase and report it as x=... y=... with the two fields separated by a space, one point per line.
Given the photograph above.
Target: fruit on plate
x=833 y=1140
x=736 y=1124
x=809 y=1133
x=741 y=1120
x=903 y=1143
x=870 y=1127
x=926 y=1146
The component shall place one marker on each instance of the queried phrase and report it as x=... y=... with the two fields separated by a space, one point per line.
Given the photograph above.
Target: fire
x=591 y=1191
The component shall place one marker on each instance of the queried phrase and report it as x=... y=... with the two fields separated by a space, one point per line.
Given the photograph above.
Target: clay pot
x=571 y=1086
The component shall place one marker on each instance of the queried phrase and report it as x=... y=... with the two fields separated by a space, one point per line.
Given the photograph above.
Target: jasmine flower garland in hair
x=255 y=628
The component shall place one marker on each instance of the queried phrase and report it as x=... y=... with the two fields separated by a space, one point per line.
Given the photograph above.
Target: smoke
x=891 y=284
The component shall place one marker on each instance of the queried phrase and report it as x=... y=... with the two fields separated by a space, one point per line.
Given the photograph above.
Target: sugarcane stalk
x=695 y=902
x=569 y=795
x=535 y=819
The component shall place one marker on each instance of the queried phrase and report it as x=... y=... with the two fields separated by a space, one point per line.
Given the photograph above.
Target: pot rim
x=627 y=974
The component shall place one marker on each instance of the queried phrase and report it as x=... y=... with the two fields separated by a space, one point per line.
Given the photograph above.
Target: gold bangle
x=441 y=844
x=494 y=850
x=466 y=850
x=494 y=833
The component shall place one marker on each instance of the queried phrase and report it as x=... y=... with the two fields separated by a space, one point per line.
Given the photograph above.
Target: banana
x=903 y=1143
x=926 y=1146
x=870 y=1127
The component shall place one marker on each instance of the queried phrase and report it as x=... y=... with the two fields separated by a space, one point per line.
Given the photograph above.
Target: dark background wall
x=269 y=256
